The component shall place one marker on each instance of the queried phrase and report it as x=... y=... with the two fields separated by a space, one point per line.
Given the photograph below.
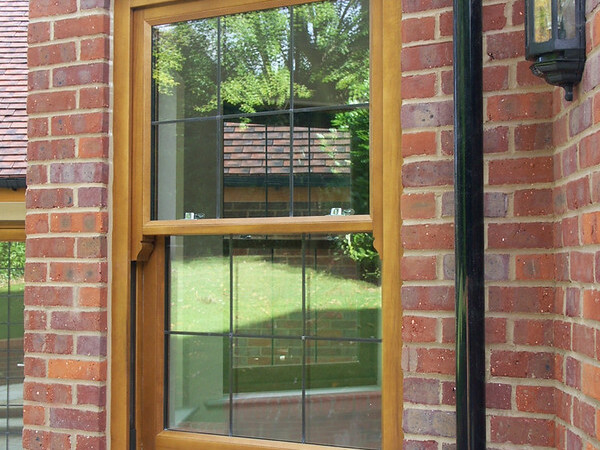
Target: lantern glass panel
x=543 y=20
x=566 y=19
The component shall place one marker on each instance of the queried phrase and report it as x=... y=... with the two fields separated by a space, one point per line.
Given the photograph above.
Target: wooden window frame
x=134 y=235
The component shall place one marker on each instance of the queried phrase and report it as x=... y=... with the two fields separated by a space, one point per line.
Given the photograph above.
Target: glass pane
x=343 y=293
x=566 y=19
x=343 y=405
x=331 y=162
x=15 y=392
x=267 y=285
x=198 y=392
x=12 y=260
x=543 y=20
x=187 y=180
x=298 y=305
x=268 y=398
x=185 y=69
x=256 y=55
x=257 y=167
x=198 y=288
x=331 y=53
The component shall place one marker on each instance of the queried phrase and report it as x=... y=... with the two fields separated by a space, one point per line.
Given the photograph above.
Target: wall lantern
x=555 y=41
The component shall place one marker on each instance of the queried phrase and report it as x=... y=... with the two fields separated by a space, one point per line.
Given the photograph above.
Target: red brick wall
x=67 y=225
x=542 y=158
x=542 y=223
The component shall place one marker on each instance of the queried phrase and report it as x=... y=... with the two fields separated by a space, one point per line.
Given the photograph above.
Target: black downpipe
x=469 y=231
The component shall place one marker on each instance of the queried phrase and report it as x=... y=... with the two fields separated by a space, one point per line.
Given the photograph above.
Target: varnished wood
x=392 y=396
x=138 y=231
x=189 y=10
x=376 y=123
x=141 y=119
x=120 y=332
x=176 y=440
x=12 y=195
x=12 y=231
x=150 y=373
x=266 y=225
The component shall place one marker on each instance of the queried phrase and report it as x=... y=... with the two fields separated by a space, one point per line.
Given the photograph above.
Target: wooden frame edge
x=388 y=222
x=392 y=389
x=119 y=331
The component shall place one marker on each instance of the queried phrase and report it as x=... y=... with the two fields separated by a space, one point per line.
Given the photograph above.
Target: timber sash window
x=257 y=220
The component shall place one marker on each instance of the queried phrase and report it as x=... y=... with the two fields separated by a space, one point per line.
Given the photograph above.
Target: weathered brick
x=91 y=345
x=428 y=236
x=38 y=80
x=520 y=235
x=426 y=56
x=521 y=299
x=498 y=395
x=591 y=380
x=89 y=296
x=427 y=114
x=94 y=122
x=422 y=391
x=537 y=399
x=505 y=45
x=421 y=29
x=88 y=222
x=72 y=369
x=48 y=295
x=533 y=202
x=418 y=206
x=522 y=431
x=48 y=343
x=44 y=8
x=504 y=363
x=58 y=247
x=95 y=97
x=80 y=75
x=49 y=198
x=496 y=267
x=78 y=272
x=77 y=419
x=50 y=150
x=591 y=304
x=533 y=332
x=33 y=415
x=44 y=440
x=418 y=86
x=535 y=266
x=419 y=268
x=70 y=173
x=419 y=329
x=582 y=267
x=79 y=320
x=47 y=392
x=91 y=395
x=93 y=147
x=429 y=422
x=591 y=228
x=578 y=193
x=38 y=32
x=521 y=170
x=512 y=107
x=51 y=54
x=82 y=26
x=428 y=298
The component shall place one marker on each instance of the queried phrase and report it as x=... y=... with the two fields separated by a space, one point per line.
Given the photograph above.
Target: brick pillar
x=519 y=223
x=67 y=225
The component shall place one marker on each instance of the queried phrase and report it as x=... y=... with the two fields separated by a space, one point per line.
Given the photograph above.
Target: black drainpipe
x=469 y=241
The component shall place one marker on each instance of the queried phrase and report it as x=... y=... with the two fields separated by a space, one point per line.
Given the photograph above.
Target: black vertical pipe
x=469 y=231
